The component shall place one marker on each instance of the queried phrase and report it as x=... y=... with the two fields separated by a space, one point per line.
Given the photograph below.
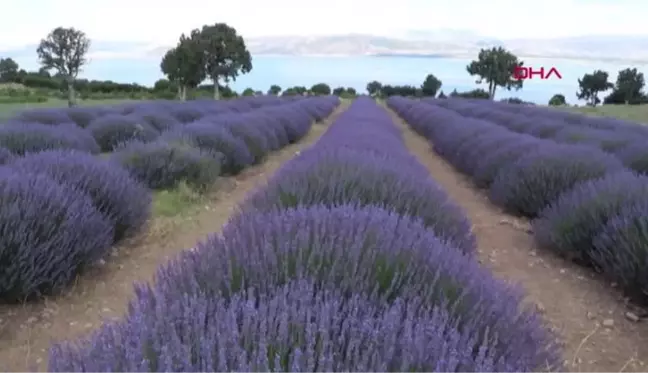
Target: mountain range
x=413 y=43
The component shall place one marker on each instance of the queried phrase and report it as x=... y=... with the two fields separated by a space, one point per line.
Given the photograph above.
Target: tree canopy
x=431 y=85
x=8 y=70
x=591 y=85
x=628 y=88
x=557 y=100
x=322 y=89
x=64 y=50
x=274 y=90
x=495 y=67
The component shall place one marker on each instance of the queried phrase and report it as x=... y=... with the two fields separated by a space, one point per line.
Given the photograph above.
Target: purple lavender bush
x=620 y=250
x=537 y=179
x=6 y=156
x=296 y=327
x=161 y=165
x=159 y=121
x=22 y=138
x=491 y=163
x=370 y=252
x=82 y=116
x=570 y=224
x=341 y=176
x=50 y=233
x=112 y=130
x=635 y=157
x=122 y=200
x=43 y=116
x=215 y=139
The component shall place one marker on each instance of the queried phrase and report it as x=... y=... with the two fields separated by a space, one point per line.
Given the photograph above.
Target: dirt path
x=587 y=313
x=27 y=330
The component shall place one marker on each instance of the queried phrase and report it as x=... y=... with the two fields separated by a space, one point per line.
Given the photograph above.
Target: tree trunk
x=179 y=91
x=216 y=90
x=183 y=94
x=71 y=94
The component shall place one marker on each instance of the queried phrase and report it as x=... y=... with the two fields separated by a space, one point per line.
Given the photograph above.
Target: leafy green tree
x=629 y=85
x=184 y=65
x=591 y=85
x=289 y=92
x=274 y=90
x=495 y=67
x=430 y=86
x=339 y=91
x=64 y=50
x=248 y=92
x=374 y=88
x=474 y=94
x=557 y=100
x=8 y=70
x=321 y=89
x=225 y=53
x=442 y=95
x=351 y=91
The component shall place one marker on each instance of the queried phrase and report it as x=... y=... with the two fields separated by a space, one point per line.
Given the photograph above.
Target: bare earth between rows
x=588 y=315
x=26 y=331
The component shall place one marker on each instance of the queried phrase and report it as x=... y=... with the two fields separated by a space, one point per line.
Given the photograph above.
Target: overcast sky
x=161 y=22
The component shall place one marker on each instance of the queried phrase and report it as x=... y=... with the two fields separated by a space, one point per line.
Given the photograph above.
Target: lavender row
x=319 y=272
x=584 y=203
x=102 y=129
x=63 y=210
x=626 y=140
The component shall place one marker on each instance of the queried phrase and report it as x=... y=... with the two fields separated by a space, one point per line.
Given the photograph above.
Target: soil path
x=588 y=314
x=26 y=331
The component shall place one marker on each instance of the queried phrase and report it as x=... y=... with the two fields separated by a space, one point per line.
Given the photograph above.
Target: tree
x=430 y=86
x=495 y=66
x=248 y=92
x=321 y=89
x=225 y=53
x=374 y=88
x=64 y=50
x=557 y=100
x=629 y=85
x=590 y=86
x=274 y=90
x=351 y=91
x=184 y=65
x=8 y=70
x=338 y=91
x=474 y=94
x=442 y=95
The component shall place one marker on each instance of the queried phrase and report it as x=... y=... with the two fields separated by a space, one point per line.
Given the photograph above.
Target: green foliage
x=557 y=100
x=8 y=70
x=321 y=89
x=590 y=86
x=248 y=92
x=64 y=50
x=475 y=93
x=495 y=66
x=374 y=88
x=274 y=90
x=430 y=86
x=225 y=54
x=338 y=91
x=184 y=65
x=628 y=88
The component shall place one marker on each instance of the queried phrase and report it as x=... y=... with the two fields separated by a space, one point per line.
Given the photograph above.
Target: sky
x=160 y=22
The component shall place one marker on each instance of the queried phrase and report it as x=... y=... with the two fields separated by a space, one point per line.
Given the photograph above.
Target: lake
x=356 y=72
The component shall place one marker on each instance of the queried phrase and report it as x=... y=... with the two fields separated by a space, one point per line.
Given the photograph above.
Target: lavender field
x=353 y=255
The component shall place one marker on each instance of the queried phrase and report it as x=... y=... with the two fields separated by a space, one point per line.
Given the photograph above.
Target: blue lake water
x=356 y=72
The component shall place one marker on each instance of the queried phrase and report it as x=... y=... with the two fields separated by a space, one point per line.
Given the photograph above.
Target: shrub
x=296 y=327
x=44 y=116
x=5 y=156
x=255 y=139
x=635 y=157
x=620 y=250
x=215 y=139
x=161 y=165
x=490 y=164
x=120 y=198
x=570 y=223
x=111 y=130
x=338 y=177
x=49 y=234
x=537 y=179
x=160 y=122
x=372 y=261
x=21 y=138
x=82 y=116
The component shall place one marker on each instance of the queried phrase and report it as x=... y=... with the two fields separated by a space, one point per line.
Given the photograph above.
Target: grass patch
x=178 y=201
x=634 y=113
